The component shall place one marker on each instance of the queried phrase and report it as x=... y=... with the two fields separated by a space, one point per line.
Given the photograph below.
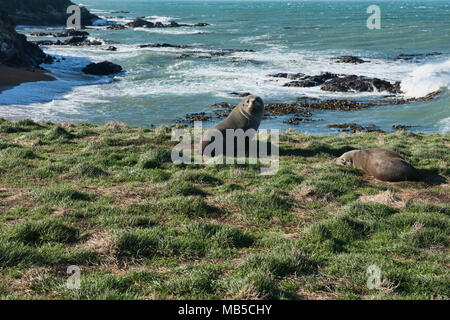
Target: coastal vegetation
x=109 y=200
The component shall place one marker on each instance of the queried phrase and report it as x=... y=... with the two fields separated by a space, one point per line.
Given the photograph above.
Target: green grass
x=109 y=200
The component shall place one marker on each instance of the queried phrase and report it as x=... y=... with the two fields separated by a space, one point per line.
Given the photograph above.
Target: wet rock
x=116 y=27
x=111 y=48
x=71 y=33
x=428 y=97
x=354 y=128
x=349 y=59
x=15 y=50
x=238 y=50
x=140 y=23
x=201 y=24
x=220 y=53
x=312 y=81
x=359 y=84
x=400 y=127
x=184 y=56
x=239 y=60
x=102 y=68
x=40 y=34
x=290 y=76
x=173 y=24
x=43 y=12
x=75 y=40
x=190 y=118
x=296 y=120
x=414 y=56
x=240 y=94
x=163 y=45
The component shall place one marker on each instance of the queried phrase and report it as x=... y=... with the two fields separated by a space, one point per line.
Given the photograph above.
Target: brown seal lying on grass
x=383 y=164
x=246 y=115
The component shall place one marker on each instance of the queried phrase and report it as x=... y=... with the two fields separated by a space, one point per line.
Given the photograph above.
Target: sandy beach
x=11 y=77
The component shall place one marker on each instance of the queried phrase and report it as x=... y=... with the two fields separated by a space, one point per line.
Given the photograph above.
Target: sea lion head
x=346 y=159
x=253 y=105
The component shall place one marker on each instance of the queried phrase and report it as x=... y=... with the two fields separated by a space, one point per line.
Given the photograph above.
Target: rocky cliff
x=43 y=12
x=15 y=50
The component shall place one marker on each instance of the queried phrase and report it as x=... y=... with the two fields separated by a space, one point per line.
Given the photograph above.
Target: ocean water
x=286 y=36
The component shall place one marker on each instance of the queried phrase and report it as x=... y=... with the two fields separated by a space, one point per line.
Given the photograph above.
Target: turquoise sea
x=286 y=36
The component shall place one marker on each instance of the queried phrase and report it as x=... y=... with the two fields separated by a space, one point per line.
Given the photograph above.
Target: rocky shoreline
x=303 y=110
x=17 y=52
x=19 y=59
x=43 y=12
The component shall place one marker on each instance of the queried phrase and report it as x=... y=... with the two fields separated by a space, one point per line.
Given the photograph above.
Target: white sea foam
x=162 y=19
x=181 y=30
x=427 y=78
x=444 y=125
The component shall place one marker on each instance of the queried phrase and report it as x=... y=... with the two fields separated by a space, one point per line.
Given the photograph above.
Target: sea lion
x=383 y=164
x=246 y=115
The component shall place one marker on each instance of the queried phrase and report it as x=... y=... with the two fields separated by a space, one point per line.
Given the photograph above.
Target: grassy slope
x=108 y=200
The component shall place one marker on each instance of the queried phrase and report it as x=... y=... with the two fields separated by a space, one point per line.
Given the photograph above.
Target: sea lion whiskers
x=346 y=159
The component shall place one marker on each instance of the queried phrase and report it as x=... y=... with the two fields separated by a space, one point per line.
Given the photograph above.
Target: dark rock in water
x=354 y=128
x=75 y=40
x=428 y=97
x=43 y=12
x=190 y=118
x=40 y=34
x=48 y=43
x=290 y=76
x=240 y=94
x=349 y=59
x=301 y=110
x=239 y=60
x=400 y=127
x=414 y=56
x=120 y=12
x=397 y=87
x=220 y=53
x=302 y=83
x=163 y=45
x=201 y=24
x=102 y=69
x=432 y=54
x=296 y=120
x=71 y=33
x=111 y=48
x=49 y=60
x=173 y=24
x=116 y=27
x=312 y=81
x=15 y=50
x=184 y=56
x=159 y=25
x=358 y=83
x=238 y=50
x=140 y=23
